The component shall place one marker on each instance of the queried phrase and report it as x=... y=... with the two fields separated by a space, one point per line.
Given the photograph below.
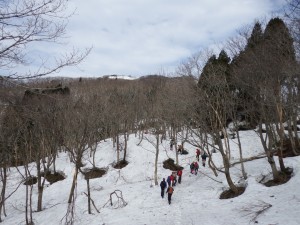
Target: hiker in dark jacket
x=203 y=157
x=163 y=186
x=170 y=191
x=192 y=167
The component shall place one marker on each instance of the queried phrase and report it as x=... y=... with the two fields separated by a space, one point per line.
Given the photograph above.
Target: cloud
x=136 y=37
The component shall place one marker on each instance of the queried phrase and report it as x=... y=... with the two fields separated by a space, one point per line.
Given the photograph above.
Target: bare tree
x=23 y=23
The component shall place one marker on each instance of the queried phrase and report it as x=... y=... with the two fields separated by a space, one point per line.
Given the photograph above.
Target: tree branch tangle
x=30 y=21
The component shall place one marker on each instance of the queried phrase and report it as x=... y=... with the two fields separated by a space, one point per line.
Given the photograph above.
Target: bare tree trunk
x=156 y=159
x=93 y=156
x=2 y=202
x=281 y=135
x=54 y=162
x=269 y=154
x=228 y=177
x=226 y=142
x=30 y=205
x=241 y=155
x=210 y=161
x=291 y=136
x=40 y=186
x=89 y=195
x=125 y=147
x=226 y=165
x=175 y=145
x=118 y=148
x=28 y=199
x=26 y=206
x=71 y=195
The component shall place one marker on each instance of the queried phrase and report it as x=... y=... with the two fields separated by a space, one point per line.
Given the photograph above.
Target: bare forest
x=252 y=83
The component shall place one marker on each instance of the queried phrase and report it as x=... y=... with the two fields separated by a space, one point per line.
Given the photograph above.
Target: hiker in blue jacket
x=169 y=181
x=163 y=186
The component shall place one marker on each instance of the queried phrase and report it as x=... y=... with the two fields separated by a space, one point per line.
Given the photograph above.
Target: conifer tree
x=256 y=36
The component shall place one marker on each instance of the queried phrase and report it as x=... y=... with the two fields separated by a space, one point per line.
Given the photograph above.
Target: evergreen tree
x=278 y=41
x=256 y=36
x=215 y=68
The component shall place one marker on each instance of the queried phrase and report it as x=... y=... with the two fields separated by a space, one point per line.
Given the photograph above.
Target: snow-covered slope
x=195 y=200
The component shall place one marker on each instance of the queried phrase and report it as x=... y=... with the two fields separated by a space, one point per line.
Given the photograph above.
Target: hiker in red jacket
x=196 y=166
x=197 y=153
x=179 y=174
x=172 y=178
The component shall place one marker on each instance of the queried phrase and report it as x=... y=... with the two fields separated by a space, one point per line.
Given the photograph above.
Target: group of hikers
x=172 y=179
x=170 y=184
x=194 y=165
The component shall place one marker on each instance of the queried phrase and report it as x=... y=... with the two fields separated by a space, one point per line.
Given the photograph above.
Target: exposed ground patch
x=230 y=194
x=53 y=177
x=121 y=164
x=92 y=173
x=284 y=177
x=169 y=164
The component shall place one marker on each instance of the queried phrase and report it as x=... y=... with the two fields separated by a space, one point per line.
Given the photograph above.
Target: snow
x=121 y=77
x=195 y=200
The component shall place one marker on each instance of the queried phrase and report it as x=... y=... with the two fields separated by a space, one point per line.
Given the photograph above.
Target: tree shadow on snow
x=169 y=164
x=53 y=177
x=230 y=194
x=284 y=177
x=95 y=172
x=121 y=164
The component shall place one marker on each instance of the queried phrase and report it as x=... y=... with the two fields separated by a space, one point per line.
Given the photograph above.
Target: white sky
x=135 y=37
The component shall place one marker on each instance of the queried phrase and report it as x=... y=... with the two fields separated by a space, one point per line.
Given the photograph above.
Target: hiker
x=180 y=148
x=174 y=182
x=163 y=186
x=192 y=167
x=196 y=166
x=179 y=174
x=203 y=157
x=169 y=181
x=197 y=153
x=170 y=191
x=171 y=143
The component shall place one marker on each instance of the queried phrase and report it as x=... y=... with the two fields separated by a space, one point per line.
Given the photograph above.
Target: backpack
x=170 y=190
x=192 y=166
